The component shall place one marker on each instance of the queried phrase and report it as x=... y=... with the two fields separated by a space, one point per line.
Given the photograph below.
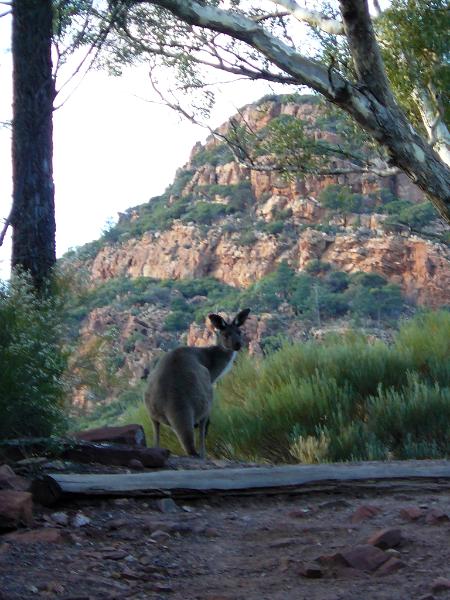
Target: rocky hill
x=293 y=249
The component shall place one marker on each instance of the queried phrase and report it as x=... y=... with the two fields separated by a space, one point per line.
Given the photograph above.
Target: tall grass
x=343 y=399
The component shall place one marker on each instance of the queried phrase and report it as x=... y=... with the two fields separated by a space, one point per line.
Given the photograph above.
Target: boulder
x=10 y=481
x=16 y=508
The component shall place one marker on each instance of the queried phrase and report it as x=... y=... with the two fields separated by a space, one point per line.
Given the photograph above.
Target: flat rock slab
x=254 y=478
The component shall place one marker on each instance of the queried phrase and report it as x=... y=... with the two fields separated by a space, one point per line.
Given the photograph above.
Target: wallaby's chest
x=226 y=367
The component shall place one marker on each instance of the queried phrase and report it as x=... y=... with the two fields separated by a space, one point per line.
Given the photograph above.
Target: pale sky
x=112 y=149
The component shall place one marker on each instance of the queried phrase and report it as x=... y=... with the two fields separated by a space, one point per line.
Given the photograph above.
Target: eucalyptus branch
x=312 y=17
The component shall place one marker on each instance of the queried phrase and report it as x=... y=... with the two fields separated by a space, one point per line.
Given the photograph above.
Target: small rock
x=35 y=536
x=121 y=501
x=117 y=523
x=283 y=543
x=386 y=538
x=130 y=558
x=440 y=584
x=54 y=587
x=166 y=505
x=298 y=513
x=392 y=565
x=164 y=588
x=80 y=520
x=136 y=464
x=435 y=516
x=367 y=511
x=411 y=513
x=61 y=518
x=160 y=535
x=339 y=503
x=311 y=571
x=127 y=573
x=365 y=557
x=114 y=555
x=332 y=560
x=211 y=532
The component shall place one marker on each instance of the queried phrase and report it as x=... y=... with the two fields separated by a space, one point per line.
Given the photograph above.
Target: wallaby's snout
x=180 y=390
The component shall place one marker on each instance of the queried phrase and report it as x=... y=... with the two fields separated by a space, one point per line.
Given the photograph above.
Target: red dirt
x=220 y=548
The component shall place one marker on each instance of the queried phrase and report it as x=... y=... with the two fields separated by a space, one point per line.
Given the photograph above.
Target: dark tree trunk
x=33 y=213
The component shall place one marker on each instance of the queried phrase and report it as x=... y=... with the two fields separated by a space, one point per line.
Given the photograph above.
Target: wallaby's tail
x=183 y=425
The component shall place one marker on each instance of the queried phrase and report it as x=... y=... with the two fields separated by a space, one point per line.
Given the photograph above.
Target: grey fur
x=180 y=388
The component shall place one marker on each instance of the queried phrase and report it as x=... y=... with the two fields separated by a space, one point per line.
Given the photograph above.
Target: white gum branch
x=312 y=17
x=438 y=133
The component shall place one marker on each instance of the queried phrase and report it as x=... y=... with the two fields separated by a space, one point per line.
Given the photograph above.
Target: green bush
x=220 y=154
x=177 y=321
x=205 y=212
x=32 y=360
x=341 y=199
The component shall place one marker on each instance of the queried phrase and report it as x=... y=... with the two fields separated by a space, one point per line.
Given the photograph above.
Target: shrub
x=341 y=199
x=220 y=154
x=177 y=321
x=32 y=360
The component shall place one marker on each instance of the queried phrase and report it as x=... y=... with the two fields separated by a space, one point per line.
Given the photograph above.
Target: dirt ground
x=232 y=548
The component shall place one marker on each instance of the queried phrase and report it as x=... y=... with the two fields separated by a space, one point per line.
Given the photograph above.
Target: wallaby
x=180 y=388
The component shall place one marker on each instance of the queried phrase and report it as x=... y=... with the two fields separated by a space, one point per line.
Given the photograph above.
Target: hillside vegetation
x=347 y=398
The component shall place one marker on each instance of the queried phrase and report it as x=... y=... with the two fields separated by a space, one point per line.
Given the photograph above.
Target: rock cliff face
x=260 y=220
x=420 y=267
x=354 y=241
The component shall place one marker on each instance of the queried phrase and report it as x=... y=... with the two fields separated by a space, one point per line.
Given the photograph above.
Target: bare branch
x=365 y=51
x=5 y=229
x=268 y=16
x=312 y=17
x=6 y=13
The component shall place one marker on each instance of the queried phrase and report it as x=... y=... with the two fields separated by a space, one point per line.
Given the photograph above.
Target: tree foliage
x=343 y=63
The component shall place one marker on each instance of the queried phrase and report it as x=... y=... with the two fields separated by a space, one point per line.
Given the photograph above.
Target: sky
x=112 y=147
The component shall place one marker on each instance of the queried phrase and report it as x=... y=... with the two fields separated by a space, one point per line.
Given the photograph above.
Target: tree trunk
x=33 y=212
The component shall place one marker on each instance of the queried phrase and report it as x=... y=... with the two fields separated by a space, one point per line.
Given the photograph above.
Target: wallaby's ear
x=241 y=317
x=217 y=321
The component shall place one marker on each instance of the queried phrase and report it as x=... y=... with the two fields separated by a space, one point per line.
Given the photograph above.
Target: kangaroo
x=180 y=389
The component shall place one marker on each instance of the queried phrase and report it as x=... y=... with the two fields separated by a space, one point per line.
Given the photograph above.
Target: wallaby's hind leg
x=202 y=429
x=156 y=428
x=183 y=426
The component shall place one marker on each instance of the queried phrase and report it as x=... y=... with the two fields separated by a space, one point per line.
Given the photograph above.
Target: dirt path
x=230 y=549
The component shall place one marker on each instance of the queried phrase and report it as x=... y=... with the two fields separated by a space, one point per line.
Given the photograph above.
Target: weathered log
x=131 y=435
x=80 y=451
x=115 y=454
x=249 y=480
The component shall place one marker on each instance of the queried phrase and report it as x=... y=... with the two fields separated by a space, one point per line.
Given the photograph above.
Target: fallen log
x=282 y=479
x=83 y=451
x=130 y=435
x=115 y=454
